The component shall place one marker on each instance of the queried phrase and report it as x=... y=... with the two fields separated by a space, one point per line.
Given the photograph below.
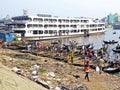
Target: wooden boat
x=116 y=50
x=111 y=70
x=80 y=47
x=114 y=32
x=110 y=42
x=21 y=47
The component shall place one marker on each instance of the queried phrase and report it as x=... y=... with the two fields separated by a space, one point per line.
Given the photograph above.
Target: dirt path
x=11 y=81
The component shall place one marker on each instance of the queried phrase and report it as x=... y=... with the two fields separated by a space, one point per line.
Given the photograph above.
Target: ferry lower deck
x=59 y=37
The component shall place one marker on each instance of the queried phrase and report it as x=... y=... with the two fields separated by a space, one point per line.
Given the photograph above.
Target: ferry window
x=63 y=31
x=82 y=21
x=54 y=20
x=71 y=31
x=77 y=21
x=40 y=25
x=82 y=30
x=82 y=26
x=60 y=26
x=67 y=31
x=71 y=21
x=35 y=25
x=45 y=20
x=55 y=25
x=99 y=25
x=87 y=25
x=59 y=21
x=40 y=32
x=67 y=25
x=35 y=19
x=99 y=29
x=29 y=25
x=60 y=31
x=74 y=26
x=35 y=32
x=50 y=31
x=30 y=31
x=40 y=19
x=50 y=25
x=21 y=26
x=75 y=31
x=46 y=31
x=67 y=21
x=29 y=19
x=45 y=26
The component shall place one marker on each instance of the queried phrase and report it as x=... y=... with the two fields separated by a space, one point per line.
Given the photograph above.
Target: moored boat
x=86 y=46
x=114 y=32
x=116 y=50
x=110 y=42
x=111 y=70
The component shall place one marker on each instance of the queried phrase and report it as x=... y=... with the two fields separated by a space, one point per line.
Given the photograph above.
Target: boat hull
x=110 y=42
x=116 y=50
x=58 y=36
x=111 y=70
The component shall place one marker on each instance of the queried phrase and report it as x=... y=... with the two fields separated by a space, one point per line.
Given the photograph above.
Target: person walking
x=87 y=68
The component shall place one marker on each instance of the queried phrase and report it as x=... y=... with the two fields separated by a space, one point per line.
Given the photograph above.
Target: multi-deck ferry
x=44 y=26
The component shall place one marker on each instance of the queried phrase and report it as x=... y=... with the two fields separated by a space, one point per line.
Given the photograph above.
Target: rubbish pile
x=50 y=74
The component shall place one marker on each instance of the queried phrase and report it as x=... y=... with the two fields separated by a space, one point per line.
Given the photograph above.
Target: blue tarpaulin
x=7 y=35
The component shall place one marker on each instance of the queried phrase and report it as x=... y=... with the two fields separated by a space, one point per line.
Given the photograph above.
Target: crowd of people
x=86 y=52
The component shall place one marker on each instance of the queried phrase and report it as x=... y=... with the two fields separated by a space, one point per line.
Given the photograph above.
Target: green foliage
x=42 y=70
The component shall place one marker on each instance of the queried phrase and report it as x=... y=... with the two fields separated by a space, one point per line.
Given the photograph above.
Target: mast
x=25 y=12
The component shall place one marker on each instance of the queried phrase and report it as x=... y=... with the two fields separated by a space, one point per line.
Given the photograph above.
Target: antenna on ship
x=25 y=12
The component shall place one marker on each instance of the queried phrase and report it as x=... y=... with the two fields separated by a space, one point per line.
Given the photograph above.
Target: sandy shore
x=11 y=81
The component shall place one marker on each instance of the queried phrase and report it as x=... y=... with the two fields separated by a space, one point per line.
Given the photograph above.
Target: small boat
x=114 y=32
x=55 y=42
x=111 y=70
x=116 y=50
x=21 y=47
x=86 y=46
x=110 y=42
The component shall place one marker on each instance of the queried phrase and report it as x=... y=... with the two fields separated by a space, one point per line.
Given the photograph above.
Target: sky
x=64 y=8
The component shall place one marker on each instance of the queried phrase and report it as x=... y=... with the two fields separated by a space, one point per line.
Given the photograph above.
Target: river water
x=97 y=41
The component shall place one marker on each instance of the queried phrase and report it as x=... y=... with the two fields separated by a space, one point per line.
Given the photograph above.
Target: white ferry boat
x=49 y=27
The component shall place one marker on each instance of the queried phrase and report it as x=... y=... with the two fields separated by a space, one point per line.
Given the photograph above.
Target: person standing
x=68 y=59
x=87 y=68
x=72 y=55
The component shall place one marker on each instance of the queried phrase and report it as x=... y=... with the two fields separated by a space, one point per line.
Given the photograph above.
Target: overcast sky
x=65 y=8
